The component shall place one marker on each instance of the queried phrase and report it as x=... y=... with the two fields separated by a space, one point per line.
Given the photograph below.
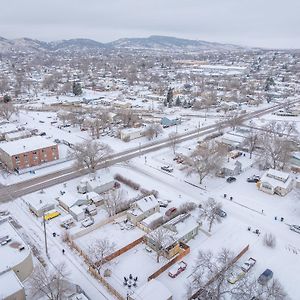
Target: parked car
x=265 y=276
x=231 y=179
x=295 y=228
x=87 y=222
x=163 y=203
x=253 y=178
x=220 y=212
x=177 y=269
x=42 y=133
x=167 y=169
x=248 y=264
x=235 y=276
x=171 y=211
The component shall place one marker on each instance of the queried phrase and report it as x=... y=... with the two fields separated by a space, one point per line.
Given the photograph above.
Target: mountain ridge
x=151 y=42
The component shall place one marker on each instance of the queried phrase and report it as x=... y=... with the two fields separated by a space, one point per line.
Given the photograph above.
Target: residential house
x=151 y=222
x=230 y=168
x=276 y=182
x=29 y=152
x=167 y=122
x=142 y=209
x=182 y=228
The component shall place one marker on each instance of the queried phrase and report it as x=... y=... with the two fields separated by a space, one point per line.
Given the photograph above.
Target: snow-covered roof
x=276 y=178
x=10 y=284
x=17 y=134
x=6 y=128
x=152 y=218
x=76 y=210
x=93 y=196
x=68 y=200
x=145 y=204
x=153 y=289
x=283 y=176
x=232 y=138
x=11 y=256
x=40 y=201
x=26 y=145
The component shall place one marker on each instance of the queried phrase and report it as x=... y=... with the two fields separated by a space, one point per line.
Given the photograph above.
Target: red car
x=170 y=211
x=177 y=269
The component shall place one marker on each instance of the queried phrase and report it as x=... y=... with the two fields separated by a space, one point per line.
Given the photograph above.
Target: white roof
x=232 y=138
x=77 y=210
x=68 y=199
x=152 y=218
x=10 y=284
x=25 y=145
x=37 y=201
x=147 y=203
x=11 y=256
x=276 y=173
x=65 y=218
x=17 y=134
x=275 y=182
x=8 y=128
x=153 y=289
x=93 y=196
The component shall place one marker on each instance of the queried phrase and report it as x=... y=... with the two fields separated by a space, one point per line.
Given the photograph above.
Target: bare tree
x=234 y=120
x=153 y=130
x=98 y=251
x=51 y=284
x=210 y=280
x=209 y=212
x=173 y=137
x=159 y=238
x=206 y=159
x=7 y=110
x=269 y=240
x=278 y=142
x=186 y=207
x=89 y=154
x=252 y=140
x=210 y=274
x=113 y=202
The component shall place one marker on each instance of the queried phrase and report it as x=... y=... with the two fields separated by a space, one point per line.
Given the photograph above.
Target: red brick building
x=29 y=152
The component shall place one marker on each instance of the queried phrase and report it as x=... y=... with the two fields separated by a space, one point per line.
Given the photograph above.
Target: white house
x=129 y=134
x=142 y=209
x=100 y=186
x=276 y=182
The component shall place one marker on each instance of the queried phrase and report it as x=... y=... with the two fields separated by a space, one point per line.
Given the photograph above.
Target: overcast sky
x=264 y=23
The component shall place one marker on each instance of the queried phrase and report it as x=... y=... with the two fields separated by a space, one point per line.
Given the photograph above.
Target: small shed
x=77 y=212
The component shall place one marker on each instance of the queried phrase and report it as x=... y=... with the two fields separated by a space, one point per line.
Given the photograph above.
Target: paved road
x=13 y=191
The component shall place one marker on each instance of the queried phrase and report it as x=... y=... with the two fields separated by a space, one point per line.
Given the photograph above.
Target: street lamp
x=45 y=234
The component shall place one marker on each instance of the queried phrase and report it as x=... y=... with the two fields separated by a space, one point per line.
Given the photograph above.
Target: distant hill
x=152 y=42
x=167 y=42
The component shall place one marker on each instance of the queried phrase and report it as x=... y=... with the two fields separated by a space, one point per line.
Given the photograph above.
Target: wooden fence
x=111 y=289
x=121 y=251
x=234 y=260
x=185 y=251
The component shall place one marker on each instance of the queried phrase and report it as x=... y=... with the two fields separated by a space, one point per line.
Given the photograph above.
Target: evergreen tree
x=6 y=98
x=178 y=101
x=77 y=90
x=170 y=97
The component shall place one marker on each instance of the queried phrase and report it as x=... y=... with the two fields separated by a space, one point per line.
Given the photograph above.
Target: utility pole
x=45 y=235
